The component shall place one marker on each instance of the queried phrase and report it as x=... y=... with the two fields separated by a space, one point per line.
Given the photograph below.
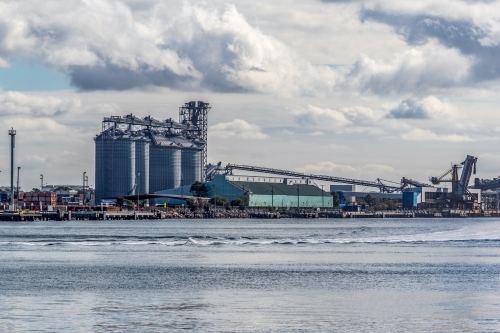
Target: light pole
x=83 y=189
x=298 y=195
x=12 y=134
x=86 y=187
x=18 y=168
x=215 y=197
x=182 y=192
x=272 y=196
x=137 y=186
x=322 y=196
x=41 y=183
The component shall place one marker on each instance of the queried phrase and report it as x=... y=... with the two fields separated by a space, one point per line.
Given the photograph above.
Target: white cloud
x=315 y=116
x=3 y=63
x=237 y=128
x=421 y=68
x=100 y=45
x=326 y=118
x=317 y=133
x=16 y=103
x=418 y=134
x=426 y=108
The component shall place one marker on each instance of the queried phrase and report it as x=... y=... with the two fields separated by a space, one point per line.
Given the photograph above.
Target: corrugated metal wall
x=142 y=165
x=259 y=200
x=115 y=167
x=164 y=168
x=191 y=166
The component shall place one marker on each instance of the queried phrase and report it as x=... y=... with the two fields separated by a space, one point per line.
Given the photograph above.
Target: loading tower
x=195 y=116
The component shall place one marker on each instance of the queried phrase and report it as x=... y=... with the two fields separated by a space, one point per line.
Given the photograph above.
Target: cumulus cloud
x=422 y=68
x=238 y=128
x=16 y=103
x=474 y=34
x=314 y=116
x=426 y=108
x=418 y=134
x=100 y=45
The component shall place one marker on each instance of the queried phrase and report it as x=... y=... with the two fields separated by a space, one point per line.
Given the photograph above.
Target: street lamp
x=41 y=182
x=83 y=189
x=137 y=188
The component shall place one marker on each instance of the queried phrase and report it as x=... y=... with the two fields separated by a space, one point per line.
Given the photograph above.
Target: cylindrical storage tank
x=142 y=166
x=164 y=168
x=115 y=167
x=123 y=167
x=191 y=166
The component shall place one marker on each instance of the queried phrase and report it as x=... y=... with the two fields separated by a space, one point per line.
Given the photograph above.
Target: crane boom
x=408 y=181
x=469 y=168
x=382 y=187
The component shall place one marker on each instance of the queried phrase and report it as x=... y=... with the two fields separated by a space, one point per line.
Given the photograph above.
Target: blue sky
x=21 y=76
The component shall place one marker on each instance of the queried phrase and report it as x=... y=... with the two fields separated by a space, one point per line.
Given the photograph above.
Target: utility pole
x=272 y=196
x=298 y=193
x=215 y=197
x=86 y=186
x=12 y=134
x=182 y=192
x=322 y=197
x=83 y=189
x=18 y=168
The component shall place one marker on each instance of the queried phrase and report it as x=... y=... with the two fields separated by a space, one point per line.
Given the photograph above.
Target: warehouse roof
x=280 y=188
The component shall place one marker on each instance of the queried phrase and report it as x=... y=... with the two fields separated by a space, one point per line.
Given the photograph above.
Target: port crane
x=459 y=192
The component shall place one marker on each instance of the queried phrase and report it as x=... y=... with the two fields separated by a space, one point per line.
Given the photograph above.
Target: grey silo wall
x=142 y=165
x=164 y=168
x=115 y=167
x=191 y=166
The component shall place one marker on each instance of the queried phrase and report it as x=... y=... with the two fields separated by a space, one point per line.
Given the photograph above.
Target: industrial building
x=134 y=155
x=261 y=191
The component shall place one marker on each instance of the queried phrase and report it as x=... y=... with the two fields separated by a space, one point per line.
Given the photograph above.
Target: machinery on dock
x=460 y=196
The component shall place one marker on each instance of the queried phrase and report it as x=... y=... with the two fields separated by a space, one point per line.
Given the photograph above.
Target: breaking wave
x=488 y=232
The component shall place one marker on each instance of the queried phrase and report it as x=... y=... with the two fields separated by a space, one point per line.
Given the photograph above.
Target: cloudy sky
x=360 y=89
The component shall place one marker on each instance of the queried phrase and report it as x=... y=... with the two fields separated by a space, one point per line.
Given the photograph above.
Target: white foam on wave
x=477 y=232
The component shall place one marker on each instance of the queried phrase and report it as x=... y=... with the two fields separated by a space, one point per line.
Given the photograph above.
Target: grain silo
x=144 y=155
x=115 y=164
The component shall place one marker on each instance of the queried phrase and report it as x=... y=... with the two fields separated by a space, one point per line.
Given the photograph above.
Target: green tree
x=198 y=189
x=241 y=202
x=336 y=199
x=34 y=189
x=221 y=201
x=369 y=200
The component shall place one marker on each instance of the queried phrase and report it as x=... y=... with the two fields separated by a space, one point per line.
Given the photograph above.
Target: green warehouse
x=261 y=191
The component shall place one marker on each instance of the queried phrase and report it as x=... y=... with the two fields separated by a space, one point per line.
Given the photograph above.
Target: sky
x=360 y=89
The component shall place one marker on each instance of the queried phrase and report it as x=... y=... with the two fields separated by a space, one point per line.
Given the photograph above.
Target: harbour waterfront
x=251 y=275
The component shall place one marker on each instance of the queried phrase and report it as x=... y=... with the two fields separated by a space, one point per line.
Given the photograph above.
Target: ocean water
x=335 y=275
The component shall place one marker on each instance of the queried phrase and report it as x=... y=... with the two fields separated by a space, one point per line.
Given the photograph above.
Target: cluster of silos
x=145 y=161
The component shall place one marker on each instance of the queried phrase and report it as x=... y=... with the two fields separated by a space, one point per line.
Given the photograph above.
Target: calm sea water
x=384 y=275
